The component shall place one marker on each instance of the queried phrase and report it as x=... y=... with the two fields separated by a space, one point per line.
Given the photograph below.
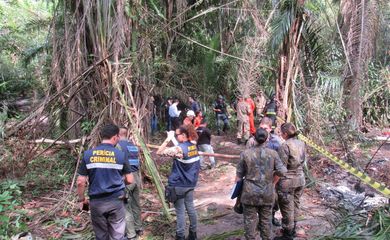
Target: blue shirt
x=274 y=142
x=185 y=171
x=131 y=153
x=104 y=165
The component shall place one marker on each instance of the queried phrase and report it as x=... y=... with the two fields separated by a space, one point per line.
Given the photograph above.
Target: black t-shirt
x=204 y=135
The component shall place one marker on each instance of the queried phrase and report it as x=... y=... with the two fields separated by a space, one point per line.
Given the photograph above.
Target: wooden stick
x=74 y=141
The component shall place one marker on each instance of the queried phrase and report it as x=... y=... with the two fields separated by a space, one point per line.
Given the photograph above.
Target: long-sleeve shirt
x=173 y=111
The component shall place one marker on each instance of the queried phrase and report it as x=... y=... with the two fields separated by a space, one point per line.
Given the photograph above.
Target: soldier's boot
x=179 y=237
x=287 y=235
x=275 y=221
x=192 y=236
x=294 y=232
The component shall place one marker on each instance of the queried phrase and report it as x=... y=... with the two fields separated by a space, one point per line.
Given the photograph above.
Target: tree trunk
x=359 y=28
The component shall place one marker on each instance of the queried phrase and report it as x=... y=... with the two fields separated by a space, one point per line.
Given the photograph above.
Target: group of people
x=271 y=171
x=273 y=178
x=247 y=109
x=112 y=171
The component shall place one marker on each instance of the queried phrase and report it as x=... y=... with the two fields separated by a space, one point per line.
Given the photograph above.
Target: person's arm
x=284 y=154
x=279 y=168
x=240 y=169
x=81 y=186
x=170 y=136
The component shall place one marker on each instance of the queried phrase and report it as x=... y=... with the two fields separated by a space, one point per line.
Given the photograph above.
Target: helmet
x=190 y=113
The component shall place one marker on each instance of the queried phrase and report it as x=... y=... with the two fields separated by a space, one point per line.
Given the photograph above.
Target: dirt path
x=213 y=196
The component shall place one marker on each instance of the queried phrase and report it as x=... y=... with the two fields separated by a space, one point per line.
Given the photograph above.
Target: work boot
x=192 y=236
x=179 y=237
x=287 y=235
x=276 y=222
x=139 y=232
x=294 y=232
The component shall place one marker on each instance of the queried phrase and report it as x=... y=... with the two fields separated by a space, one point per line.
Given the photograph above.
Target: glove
x=171 y=135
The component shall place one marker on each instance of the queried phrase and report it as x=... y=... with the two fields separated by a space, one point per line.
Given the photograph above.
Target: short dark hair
x=183 y=130
x=108 y=131
x=261 y=135
x=289 y=129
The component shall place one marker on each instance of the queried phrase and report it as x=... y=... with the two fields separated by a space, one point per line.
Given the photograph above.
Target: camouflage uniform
x=243 y=111
x=260 y=102
x=290 y=187
x=257 y=166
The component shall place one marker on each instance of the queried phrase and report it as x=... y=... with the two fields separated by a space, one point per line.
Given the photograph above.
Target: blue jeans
x=207 y=148
x=181 y=206
x=153 y=124
x=108 y=219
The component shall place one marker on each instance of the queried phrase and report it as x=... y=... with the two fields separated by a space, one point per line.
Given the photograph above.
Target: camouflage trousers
x=288 y=200
x=258 y=216
x=133 y=209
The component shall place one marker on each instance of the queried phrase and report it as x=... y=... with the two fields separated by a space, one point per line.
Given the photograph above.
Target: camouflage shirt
x=292 y=153
x=257 y=166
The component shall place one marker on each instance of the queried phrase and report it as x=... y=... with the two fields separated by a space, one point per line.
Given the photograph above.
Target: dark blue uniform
x=185 y=171
x=105 y=166
x=131 y=153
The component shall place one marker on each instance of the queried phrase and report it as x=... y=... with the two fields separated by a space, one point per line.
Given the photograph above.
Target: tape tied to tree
x=379 y=187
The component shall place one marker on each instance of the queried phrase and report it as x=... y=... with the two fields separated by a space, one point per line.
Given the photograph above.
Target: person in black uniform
x=104 y=167
x=271 y=110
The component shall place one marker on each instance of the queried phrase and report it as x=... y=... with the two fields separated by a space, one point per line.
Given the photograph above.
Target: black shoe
x=238 y=141
x=287 y=235
x=139 y=232
x=179 y=238
x=276 y=222
x=192 y=236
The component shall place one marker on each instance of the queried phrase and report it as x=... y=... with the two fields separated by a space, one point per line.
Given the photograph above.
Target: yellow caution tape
x=380 y=187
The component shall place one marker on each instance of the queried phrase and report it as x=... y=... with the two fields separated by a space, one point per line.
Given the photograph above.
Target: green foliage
x=87 y=126
x=376 y=98
x=354 y=227
x=11 y=219
x=55 y=174
x=24 y=26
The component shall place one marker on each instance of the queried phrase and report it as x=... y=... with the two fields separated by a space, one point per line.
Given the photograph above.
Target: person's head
x=191 y=99
x=261 y=135
x=240 y=98
x=266 y=123
x=176 y=101
x=123 y=131
x=169 y=100
x=182 y=134
x=288 y=130
x=198 y=113
x=190 y=114
x=220 y=98
x=110 y=134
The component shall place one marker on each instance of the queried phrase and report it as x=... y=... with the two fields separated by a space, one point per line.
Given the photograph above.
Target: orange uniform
x=252 y=106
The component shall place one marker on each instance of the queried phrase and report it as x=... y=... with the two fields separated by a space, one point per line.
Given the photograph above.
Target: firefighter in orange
x=252 y=107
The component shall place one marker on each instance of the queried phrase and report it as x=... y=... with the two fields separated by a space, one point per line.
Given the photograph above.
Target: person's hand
x=170 y=135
